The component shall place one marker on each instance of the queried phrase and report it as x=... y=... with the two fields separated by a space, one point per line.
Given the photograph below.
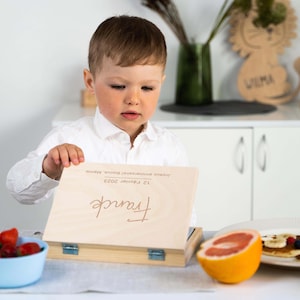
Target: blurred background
x=44 y=46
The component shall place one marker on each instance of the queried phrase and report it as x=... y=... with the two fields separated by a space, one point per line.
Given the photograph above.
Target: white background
x=43 y=51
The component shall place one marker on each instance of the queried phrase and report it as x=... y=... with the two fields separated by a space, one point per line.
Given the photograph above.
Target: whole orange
x=231 y=257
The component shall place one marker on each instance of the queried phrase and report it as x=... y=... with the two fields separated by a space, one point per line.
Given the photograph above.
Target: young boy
x=127 y=57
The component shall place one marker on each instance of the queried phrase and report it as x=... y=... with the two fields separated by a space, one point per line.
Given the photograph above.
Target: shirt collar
x=105 y=128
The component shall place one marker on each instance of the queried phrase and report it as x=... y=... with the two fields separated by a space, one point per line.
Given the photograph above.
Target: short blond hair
x=127 y=40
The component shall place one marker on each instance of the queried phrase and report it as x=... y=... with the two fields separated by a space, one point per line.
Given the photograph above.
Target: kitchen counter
x=287 y=115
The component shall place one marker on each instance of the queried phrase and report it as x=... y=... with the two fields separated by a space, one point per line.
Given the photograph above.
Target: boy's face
x=126 y=96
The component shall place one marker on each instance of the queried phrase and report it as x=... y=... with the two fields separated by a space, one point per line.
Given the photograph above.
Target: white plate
x=274 y=226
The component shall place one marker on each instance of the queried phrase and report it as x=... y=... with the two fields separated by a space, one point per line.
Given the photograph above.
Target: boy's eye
x=147 y=88
x=118 y=86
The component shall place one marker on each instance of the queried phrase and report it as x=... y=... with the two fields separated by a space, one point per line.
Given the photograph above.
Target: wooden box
x=124 y=214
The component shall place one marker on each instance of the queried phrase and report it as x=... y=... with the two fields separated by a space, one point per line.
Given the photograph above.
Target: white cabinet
x=276 y=169
x=224 y=159
x=244 y=173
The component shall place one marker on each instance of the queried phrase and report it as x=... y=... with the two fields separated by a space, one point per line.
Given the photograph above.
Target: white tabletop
x=268 y=283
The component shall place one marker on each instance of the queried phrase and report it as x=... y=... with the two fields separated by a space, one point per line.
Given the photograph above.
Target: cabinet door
x=276 y=188
x=223 y=157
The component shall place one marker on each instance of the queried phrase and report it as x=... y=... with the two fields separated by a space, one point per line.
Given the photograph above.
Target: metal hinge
x=70 y=249
x=156 y=254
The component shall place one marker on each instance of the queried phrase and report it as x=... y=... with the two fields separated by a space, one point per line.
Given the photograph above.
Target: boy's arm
x=26 y=182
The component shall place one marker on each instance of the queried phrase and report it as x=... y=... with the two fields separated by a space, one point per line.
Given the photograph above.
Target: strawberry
x=28 y=249
x=290 y=240
x=8 y=250
x=9 y=236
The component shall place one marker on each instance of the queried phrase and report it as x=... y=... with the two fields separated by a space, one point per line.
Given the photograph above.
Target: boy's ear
x=88 y=80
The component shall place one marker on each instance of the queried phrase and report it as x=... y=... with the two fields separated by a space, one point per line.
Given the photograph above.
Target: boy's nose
x=133 y=98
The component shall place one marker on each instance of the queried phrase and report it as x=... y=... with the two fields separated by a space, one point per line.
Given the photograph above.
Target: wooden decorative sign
x=262 y=78
x=119 y=213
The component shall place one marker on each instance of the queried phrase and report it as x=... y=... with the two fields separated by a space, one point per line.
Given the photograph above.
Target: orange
x=231 y=257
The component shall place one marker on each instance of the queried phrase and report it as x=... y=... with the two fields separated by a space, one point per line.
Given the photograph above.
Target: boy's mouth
x=130 y=115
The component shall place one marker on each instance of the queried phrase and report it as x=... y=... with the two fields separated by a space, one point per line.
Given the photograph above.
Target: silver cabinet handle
x=262 y=153
x=240 y=155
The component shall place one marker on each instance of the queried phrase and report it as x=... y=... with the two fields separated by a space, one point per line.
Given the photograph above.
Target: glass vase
x=194 y=78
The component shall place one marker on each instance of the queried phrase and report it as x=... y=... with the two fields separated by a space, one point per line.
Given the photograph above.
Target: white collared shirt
x=101 y=142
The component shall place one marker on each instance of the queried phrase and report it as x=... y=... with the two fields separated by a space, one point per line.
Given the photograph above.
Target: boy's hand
x=59 y=157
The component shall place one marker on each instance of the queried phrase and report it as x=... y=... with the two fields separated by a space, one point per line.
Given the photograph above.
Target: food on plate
x=9 y=246
x=231 y=257
x=281 y=245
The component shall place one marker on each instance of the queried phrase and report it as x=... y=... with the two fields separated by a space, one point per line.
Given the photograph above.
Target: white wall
x=43 y=51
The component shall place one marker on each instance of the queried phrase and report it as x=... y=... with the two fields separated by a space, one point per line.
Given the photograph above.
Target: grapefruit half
x=231 y=257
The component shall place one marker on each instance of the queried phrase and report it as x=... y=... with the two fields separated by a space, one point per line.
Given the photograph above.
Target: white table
x=268 y=283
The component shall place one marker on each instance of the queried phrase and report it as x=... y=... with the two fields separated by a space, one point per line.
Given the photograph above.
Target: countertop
x=287 y=115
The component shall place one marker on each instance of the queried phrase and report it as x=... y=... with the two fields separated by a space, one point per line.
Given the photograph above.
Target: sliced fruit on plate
x=281 y=245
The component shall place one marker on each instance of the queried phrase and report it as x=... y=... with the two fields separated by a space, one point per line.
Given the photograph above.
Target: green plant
x=268 y=12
